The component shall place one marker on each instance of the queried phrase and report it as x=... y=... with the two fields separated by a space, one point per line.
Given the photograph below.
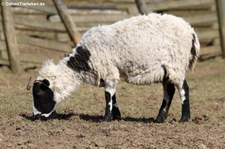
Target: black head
x=43 y=98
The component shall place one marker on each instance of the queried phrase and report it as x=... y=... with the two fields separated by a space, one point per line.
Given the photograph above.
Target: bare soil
x=78 y=121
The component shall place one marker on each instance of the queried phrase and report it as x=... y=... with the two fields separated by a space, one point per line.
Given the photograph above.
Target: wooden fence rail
x=41 y=34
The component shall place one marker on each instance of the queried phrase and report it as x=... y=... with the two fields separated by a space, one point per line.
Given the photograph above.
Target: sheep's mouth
x=44 y=117
x=54 y=115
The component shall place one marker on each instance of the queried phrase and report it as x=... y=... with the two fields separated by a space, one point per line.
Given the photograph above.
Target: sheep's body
x=142 y=50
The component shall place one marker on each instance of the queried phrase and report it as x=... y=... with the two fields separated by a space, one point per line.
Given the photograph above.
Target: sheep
x=140 y=50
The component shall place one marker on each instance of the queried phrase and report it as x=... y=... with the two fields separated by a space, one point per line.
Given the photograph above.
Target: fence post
x=142 y=7
x=10 y=38
x=67 y=21
x=221 y=19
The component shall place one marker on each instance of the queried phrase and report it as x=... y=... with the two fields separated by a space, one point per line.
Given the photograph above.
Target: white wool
x=138 y=47
x=62 y=79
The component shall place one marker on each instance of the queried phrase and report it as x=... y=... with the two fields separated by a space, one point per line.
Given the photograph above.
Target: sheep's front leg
x=108 y=108
x=111 y=111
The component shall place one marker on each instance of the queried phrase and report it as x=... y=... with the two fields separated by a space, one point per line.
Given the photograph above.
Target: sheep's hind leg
x=184 y=94
x=169 y=90
x=112 y=111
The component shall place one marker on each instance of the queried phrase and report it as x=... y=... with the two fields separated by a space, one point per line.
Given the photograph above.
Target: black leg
x=108 y=108
x=111 y=109
x=115 y=109
x=184 y=93
x=169 y=91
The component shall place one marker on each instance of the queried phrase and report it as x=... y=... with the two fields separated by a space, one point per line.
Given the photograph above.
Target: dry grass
x=79 y=122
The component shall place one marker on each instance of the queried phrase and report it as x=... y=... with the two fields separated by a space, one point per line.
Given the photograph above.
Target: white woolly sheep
x=141 y=50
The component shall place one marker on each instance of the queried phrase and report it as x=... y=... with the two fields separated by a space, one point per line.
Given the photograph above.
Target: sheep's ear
x=44 y=85
x=46 y=82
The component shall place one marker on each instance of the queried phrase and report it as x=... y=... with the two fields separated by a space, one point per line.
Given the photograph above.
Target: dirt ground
x=78 y=123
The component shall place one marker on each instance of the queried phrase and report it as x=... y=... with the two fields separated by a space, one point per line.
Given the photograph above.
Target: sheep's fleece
x=141 y=49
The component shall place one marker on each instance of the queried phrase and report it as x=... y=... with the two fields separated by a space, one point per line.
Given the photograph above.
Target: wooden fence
x=41 y=35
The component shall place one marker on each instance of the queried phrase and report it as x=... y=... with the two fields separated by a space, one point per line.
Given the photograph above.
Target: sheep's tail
x=195 y=51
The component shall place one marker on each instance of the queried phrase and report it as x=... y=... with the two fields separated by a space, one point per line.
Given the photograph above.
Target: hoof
x=184 y=118
x=108 y=118
x=36 y=117
x=159 y=119
x=116 y=114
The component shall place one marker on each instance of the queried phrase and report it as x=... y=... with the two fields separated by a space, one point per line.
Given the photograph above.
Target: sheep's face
x=43 y=99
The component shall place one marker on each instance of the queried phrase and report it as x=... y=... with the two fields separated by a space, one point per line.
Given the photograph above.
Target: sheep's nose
x=36 y=117
x=43 y=118
x=39 y=117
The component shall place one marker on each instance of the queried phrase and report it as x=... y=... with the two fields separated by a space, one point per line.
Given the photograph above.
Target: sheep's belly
x=145 y=77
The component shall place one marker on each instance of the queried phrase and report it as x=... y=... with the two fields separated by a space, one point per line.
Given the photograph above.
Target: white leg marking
x=182 y=95
x=111 y=89
x=110 y=105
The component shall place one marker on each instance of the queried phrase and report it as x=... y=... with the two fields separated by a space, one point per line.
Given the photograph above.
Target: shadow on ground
x=85 y=117
x=54 y=115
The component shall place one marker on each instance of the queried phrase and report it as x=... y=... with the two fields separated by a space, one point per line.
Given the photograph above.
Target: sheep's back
x=141 y=44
